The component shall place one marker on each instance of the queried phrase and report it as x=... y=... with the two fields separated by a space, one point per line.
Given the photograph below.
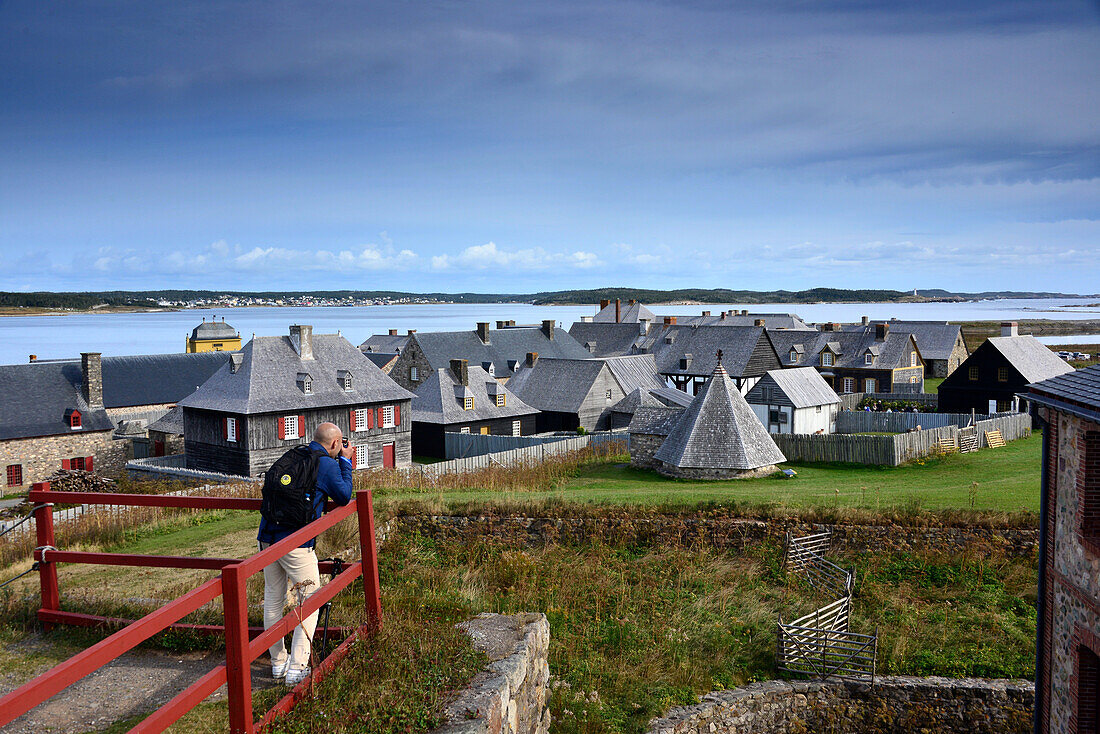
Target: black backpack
x=289 y=486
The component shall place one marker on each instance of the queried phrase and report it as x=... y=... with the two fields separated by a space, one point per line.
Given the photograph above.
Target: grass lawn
x=1003 y=480
x=932 y=384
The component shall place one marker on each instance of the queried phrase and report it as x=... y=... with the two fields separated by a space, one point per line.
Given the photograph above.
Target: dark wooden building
x=465 y=399
x=989 y=380
x=272 y=395
x=685 y=354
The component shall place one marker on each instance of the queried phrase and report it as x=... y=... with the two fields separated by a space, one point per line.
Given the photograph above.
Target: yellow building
x=213 y=336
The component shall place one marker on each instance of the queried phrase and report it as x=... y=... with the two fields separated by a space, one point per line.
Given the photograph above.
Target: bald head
x=329 y=435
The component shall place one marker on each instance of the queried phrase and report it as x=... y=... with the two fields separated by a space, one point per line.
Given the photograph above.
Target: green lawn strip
x=1003 y=480
x=932 y=384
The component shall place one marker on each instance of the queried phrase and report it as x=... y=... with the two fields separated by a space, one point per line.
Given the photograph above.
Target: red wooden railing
x=242 y=644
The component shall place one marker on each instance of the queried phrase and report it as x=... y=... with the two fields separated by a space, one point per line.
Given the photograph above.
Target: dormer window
x=826 y=359
x=344 y=378
x=75 y=420
x=468 y=402
x=500 y=399
x=794 y=356
x=868 y=358
x=305 y=383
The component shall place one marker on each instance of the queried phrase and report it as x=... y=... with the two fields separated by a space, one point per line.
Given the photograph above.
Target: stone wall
x=893 y=704
x=716 y=530
x=642 y=448
x=712 y=474
x=509 y=695
x=41 y=456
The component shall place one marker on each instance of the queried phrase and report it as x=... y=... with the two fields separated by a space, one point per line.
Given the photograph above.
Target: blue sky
x=502 y=146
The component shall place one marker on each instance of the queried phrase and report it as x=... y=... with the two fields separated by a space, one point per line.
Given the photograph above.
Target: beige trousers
x=298 y=571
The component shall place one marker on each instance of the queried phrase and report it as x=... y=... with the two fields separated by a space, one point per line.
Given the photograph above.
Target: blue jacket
x=333 y=482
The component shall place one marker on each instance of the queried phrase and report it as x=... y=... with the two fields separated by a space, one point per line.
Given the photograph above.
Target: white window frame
x=307 y=386
x=794 y=356
x=468 y=403
x=517 y=428
x=388 y=416
x=345 y=382
x=414 y=374
x=868 y=358
x=231 y=430
x=500 y=400
x=361 y=450
x=360 y=420
x=849 y=384
x=287 y=433
x=912 y=359
x=826 y=359
x=464 y=429
x=870 y=385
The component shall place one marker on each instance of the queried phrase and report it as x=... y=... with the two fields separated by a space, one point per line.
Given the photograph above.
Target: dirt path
x=136 y=683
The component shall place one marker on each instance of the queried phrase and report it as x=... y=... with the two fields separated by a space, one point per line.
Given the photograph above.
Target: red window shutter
x=353 y=457
x=370 y=418
x=225 y=429
x=64 y=463
x=282 y=428
x=378 y=418
x=237 y=428
x=88 y=463
x=301 y=426
x=397 y=415
x=351 y=419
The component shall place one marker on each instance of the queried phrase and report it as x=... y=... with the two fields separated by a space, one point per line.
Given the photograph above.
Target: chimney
x=604 y=303
x=1010 y=328
x=548 y=329
x=412 y=331
x=34 y=357
x=532 y=358
x=393 y=332
x=618 y=311
x=461 y=370
x=501 y=325
x=301 y=336
x=758 y=322
x=881 y=330
x=670 y=321
x=722 y=316
x=706 y=313
x=91 y=367
x=744 y=312
x=235 y=361
x=866 y=320
x=483 y=331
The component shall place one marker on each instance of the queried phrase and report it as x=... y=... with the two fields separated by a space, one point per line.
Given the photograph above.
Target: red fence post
x=369 y=553
x=47 y=571
x=238 y=666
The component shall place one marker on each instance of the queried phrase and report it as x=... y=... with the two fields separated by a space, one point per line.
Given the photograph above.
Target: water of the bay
x=66 y=335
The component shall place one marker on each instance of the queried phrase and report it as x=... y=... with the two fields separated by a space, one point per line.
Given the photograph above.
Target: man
x=299 y=566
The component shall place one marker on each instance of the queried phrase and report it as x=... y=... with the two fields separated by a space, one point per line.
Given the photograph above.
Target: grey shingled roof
x=849 y=346
x=771 y=320
x=437 y=399
x=635 y=371
x=505 y=345
x=935 y=339
x=664 y=397
x=154 y=379
x=719 y=431
x=266 y=379
x=385 y=343
x=557 y=385
x=170 y=422
x=35 y=397
x=655 y=421
x=703 y=342
x=1030 y=357
x=611 y=340
x=804 y=386
x=629 y=313
x=1076 y=392
x=381 y=361
x=214 y=330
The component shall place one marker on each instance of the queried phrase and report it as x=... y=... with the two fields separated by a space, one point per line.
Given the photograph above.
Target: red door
x=388 y=456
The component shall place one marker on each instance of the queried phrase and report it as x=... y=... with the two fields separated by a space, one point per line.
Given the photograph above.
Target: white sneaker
x=278 y=671
x=294 y=676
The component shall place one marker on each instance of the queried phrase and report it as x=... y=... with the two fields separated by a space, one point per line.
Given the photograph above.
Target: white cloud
x=489 y=255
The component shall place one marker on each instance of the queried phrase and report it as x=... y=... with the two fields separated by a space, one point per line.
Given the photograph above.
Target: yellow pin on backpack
x=285 y=480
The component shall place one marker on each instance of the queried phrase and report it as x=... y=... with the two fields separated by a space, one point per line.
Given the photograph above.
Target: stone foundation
x=41 y=456
x=711 y=475
x=893 y=704
x=509 y=696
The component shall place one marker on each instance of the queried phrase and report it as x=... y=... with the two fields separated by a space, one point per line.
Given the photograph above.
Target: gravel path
x=136 y=683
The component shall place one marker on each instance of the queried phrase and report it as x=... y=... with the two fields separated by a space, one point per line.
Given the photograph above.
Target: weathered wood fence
x=820 y=644
x=465 y=445
x=519 y=456
x=863 y=421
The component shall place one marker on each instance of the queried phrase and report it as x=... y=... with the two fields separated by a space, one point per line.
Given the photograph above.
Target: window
x=1088 y=690
x=912 y=359
x=230 y=429
x=817 y=408
x=360 y=457
x=305 y=383
x=15 y=475
x=345 y=381
x=826 y=359
x=868 y=358
x=468 y=403
x=388 y=417
x=973 y=373
x=794 y=356
x=849 y=384
x=485 y=430
x=359 y=419
x=500 y=400
x=773 y=416
x=608 y=395
x=414 y=374
x=464 y=429
x=77 y=462
x=517 y=428
x=292 y=427
x=870 y=384
x=75 y=420
x=1002 y=374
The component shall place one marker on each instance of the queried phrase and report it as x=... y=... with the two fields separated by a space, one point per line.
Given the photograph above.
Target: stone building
x=717 y=437
x=1068 y=628
x=277 y=389
x=941 y=344
x=213 y=336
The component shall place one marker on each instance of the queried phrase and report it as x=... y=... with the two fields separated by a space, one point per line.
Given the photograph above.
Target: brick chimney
x=548 y=329
x=393 y=332
x=501 y=325
x=881 y=331
x=758 y=322
x=91 y=386
x=1010 y=328
x=866 y=320
x=604 y=303
x=301 y=336
x=34 y=357
x=461 y=370
x=744 y=312
x=706 y=313
x=532 y=358
x=483 y=331
x=412 y=331
x=618 y=311
x=670 y=321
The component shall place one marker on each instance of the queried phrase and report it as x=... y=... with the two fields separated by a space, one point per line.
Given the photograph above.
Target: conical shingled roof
x=719 y=431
